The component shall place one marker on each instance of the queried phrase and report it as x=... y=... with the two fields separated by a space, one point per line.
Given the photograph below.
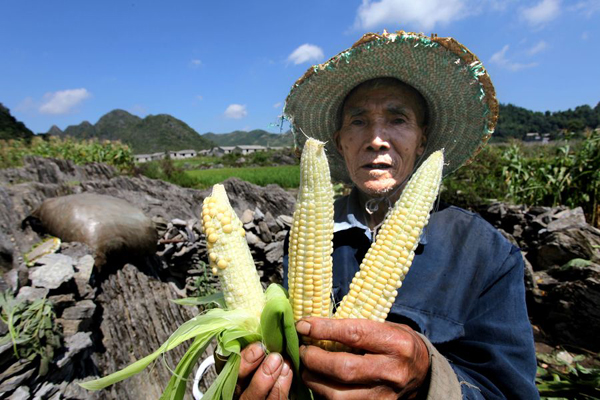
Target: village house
x=179 y=154
x=222 y=150
x=248 y=149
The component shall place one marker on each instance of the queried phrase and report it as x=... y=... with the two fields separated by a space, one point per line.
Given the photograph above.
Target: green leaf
x=175 y=390
x=224 y=386
x=203 y=327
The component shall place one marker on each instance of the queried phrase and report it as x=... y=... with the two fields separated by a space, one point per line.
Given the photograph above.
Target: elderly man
x=459 y=326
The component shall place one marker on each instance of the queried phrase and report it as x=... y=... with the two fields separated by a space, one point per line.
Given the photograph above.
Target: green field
x=287 y=176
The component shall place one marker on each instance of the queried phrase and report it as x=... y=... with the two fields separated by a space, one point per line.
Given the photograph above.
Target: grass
x=287 y=176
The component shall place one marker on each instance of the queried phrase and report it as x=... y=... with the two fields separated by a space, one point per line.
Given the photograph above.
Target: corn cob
x=310 y=263
x=374 y=288
x=229 y=254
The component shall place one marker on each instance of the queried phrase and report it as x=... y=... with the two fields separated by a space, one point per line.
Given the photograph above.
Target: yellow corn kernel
x=229 y=254
x=310 y=263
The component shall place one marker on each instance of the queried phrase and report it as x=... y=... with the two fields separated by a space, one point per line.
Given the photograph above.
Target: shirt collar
x=348 y=213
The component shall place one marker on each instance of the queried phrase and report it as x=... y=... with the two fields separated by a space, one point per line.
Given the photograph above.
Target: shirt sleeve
x=495 y=358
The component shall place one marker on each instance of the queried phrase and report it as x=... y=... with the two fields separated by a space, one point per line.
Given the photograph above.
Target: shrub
x=79 y=151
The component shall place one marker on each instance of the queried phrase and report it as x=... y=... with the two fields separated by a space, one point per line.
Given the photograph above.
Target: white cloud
x=305 y=53
x=236 y=111
x=199 y=97
x=277 y=105
x=542 y=13
x=500 y=59
x=195 y=63
x=424 y=15
x=538 y=48
x=585 y=36
x=63 y=101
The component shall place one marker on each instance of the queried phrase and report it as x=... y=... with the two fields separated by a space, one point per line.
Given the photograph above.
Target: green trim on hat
x=461 y=100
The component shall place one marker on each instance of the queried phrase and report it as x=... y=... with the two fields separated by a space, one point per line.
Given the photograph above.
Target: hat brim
x=462 y=105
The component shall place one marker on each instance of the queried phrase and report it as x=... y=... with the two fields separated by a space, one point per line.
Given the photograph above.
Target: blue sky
x=226 y=65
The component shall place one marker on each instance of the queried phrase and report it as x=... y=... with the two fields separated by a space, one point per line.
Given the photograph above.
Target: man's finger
x=252 y=356
x=371 y=336
x=281 y=390
x=348 y=368
x=264 y=378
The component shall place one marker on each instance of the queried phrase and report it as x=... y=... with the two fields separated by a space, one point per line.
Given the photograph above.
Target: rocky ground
x=111 y=319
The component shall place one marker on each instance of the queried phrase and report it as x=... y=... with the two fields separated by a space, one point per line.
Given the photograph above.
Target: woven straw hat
x=461 y=100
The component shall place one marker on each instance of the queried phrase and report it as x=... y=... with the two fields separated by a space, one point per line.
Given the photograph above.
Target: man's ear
x=336 y=139
x=423 y=144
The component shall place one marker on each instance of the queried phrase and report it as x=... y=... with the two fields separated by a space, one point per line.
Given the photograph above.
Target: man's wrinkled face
x=382 y=134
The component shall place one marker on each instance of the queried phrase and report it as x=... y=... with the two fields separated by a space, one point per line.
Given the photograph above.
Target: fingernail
x=286 y=370
x=272 y=363
x=255 y=352
x=303 y=327
x=302 y=350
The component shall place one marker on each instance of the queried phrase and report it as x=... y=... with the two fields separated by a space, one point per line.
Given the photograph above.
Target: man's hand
x=263 y=377
x=393 y=360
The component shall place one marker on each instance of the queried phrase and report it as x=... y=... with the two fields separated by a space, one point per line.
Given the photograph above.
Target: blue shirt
x=464 y=292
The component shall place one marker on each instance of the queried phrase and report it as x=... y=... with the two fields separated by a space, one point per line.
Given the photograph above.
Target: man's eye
x=356 y=122
x=398 y=121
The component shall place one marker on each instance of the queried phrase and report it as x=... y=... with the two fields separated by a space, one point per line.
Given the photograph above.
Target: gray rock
x=272 y=223
x=258 y=214
x=83 y=272
x=286 y=219
x=11 y=278
x=72 y=326
x=265 y=232
x=560 y=247
x=75 y=344
x=247 y=216
x=251 y=238
x=179 y=223
x=62 y=301
x=15 y=368
x=274 y=252
x=22 y=393
x=81 y=310
x=31 y=294
x=567 y=219
x=74 y=391
x=46 y=391
x=280 y=236
x=56 y=270
x=14 y=382
x=17 y=277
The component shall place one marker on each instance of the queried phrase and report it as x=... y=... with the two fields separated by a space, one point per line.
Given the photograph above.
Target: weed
x=31 y=329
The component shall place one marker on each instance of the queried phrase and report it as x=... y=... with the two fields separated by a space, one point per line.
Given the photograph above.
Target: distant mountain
x=255 y=137
x=154 y=133
x=10 y=128
x=515 y=122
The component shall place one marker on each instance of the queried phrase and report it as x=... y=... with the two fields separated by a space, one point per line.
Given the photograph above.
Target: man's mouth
x=377 y=165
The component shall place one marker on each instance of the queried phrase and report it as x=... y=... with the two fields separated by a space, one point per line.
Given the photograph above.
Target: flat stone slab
x=81 y=310
x=56 y=270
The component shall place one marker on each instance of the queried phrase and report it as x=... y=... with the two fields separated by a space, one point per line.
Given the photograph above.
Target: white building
x=248 y=149
x=222 y=150
x=179 y=154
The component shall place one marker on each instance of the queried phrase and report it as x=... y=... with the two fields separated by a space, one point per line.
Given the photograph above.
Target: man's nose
x=377 y=139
